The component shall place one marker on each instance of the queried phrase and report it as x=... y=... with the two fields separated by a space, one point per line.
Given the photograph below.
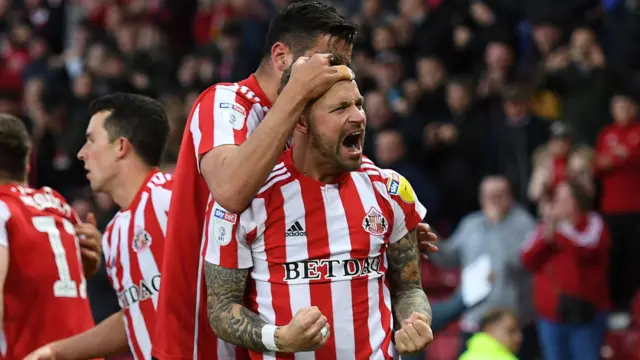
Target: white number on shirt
x=64 y=286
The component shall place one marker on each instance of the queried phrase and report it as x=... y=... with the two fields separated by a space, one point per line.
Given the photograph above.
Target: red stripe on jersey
x=320 y=289
x=276 y=253
x=206 y=121
x=360 y=248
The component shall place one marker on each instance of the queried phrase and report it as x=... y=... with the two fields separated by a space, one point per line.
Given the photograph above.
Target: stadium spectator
x=565 y=255
x=513 y=140
x=556 y=161
x=499 y=338
x=579 y=73
x=618 y=167
x=498 y=230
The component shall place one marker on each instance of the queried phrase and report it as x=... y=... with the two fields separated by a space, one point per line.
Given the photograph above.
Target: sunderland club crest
x=374 y=223
x=141 y=240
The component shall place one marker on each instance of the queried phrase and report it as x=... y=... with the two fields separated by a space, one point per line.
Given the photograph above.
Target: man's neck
x=310 y=163
x=128 y=184
x=8 y=181
x=268 y=80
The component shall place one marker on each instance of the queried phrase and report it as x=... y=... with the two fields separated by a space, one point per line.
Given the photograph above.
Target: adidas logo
x=295 y=230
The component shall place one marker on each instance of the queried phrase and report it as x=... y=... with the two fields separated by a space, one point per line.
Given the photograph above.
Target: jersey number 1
x=64 y=286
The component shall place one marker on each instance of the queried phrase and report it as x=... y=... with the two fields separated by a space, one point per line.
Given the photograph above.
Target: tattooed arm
x=407 y=295
x=236 y=324
x=229 y=319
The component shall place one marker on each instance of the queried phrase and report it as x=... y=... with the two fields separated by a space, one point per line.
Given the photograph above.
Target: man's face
x=457 y=97
x=507 y=332
x=99 y=154
x=564 y=204
x=495 y=195
x=336 y=126
x=623 y=110
x=516 y=109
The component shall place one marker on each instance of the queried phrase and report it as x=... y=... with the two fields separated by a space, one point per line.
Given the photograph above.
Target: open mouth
x=353 y=142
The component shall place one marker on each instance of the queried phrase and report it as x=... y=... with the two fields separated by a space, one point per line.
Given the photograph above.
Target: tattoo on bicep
x=405 y=282
x=228 y=318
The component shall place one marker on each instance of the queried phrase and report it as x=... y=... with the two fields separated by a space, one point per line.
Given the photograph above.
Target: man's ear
x=281 y=56
x=303 y=124
x=123 y=147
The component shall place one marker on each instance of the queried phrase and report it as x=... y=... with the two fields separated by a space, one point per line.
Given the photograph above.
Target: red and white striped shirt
x=315 y=244
x=224 y=114
x=133 y=247
x=45 y=291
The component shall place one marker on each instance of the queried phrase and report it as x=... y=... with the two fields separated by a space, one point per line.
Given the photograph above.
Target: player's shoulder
x=395 y=185
x=42 y=200
x=230 y=93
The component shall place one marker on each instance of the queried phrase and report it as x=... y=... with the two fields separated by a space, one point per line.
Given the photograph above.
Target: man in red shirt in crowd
x=42 y=275
x=219 y=158
x=618 y=167
x=565 y=255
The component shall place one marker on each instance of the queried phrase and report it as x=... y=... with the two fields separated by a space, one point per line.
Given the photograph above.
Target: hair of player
x=336 y=59
x=140 y=119
x=300 y=23
x=493 y=317
x=15 y=144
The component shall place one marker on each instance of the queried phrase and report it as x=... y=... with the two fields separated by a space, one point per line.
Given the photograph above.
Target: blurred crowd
x=519 y=96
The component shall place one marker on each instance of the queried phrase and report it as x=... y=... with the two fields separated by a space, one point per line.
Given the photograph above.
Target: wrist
x=295 y=95
x=281 y=339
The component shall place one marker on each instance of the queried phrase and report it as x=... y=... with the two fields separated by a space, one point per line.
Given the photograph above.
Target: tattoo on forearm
x=229 y=319
x=407 y=295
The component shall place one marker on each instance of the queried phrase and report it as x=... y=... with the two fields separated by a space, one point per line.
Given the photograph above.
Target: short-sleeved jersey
x=45 y=291
x=133 y=247
x=224 y=114
x=314 y=244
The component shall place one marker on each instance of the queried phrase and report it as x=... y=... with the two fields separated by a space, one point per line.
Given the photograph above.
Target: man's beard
x=330 y=152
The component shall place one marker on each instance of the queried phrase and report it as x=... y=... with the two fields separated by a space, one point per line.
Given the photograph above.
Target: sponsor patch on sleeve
x=398 y=185
x=226 y=216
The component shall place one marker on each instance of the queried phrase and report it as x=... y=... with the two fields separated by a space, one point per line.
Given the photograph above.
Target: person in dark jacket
x=513 y=140
x=570 y=276
x=618 y=167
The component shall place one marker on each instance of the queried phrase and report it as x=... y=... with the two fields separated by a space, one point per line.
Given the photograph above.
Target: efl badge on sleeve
x=234 y=114
x=374 y=223
x=141 y=240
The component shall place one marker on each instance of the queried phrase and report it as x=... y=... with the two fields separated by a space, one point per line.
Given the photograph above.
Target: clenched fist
x=307 y=331
x=414 y=336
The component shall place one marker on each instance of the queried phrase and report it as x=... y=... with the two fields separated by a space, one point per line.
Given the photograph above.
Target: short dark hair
x=300 y=23
x=140 y=119
x=15 y=144
x=335 y=59
x=494 y=316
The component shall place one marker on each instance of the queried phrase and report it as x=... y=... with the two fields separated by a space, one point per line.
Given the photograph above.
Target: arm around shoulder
x=235 y=173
